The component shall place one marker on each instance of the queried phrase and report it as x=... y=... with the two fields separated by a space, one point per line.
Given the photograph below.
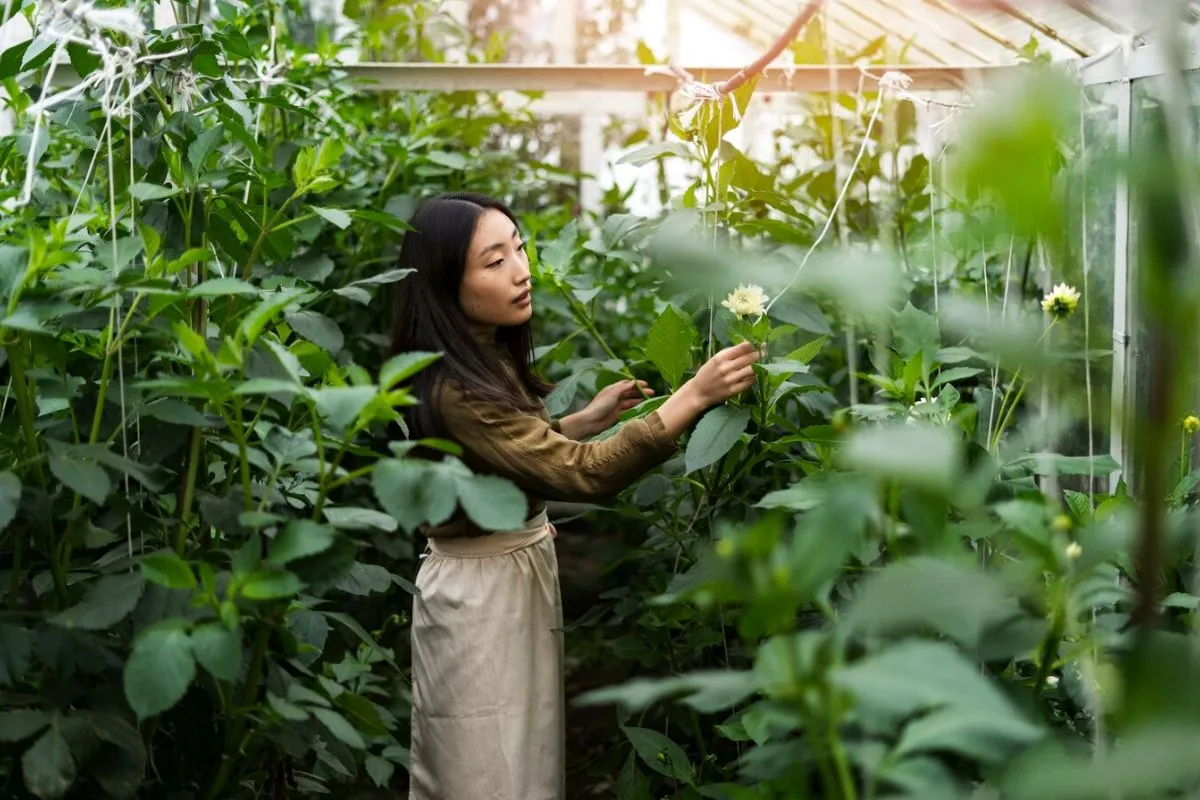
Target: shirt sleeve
x=529 y=450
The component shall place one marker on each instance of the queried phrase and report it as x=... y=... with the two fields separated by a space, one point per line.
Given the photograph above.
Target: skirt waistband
x=494 y=544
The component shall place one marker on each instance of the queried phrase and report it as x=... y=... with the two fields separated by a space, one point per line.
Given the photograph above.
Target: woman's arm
x=527 y=449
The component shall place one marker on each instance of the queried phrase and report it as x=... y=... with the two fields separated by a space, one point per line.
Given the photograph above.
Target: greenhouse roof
x=979 y=32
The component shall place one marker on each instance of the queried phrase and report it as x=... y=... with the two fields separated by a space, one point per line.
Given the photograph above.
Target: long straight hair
x=428 y=316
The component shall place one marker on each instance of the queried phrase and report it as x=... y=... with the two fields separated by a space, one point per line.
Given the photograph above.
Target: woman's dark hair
x=428 y=316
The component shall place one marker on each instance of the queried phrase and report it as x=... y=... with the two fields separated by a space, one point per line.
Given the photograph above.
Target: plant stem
x=189 y=490
x=235 y=728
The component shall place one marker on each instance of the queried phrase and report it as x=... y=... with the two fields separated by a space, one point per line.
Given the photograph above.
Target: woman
x=488 y=704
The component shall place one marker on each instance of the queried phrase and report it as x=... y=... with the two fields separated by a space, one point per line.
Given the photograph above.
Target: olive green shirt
x=529 y=449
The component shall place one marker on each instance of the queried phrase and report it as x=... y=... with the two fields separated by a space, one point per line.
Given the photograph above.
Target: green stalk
x=189 y=490
x=262 y=234
x=235 y=728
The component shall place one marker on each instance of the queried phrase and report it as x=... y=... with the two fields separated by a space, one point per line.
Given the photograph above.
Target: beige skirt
x=488 y=719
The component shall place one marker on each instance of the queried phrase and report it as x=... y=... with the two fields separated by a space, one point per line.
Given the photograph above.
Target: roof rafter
x=912 y=41
x=935 y=29
x=986 y=30
x=1005 y=7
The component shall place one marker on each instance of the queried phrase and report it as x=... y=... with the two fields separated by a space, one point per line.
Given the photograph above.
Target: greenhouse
x=565 y=399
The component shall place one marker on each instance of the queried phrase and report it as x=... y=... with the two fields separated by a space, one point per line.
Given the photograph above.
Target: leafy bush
x=873 y=575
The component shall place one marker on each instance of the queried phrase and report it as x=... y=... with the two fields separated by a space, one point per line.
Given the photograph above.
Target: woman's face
x=495 y=288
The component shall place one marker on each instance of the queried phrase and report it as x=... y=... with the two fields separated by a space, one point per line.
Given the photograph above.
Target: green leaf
x=907 y=596
x=341 y=405
x=147 y=192
x=109 y=600
x=380 y=770
x=715 y=435
x=922 y=457
x=271 y=586
x=16 y=652
x=10 y=497
x=300 y=538
x=413 y=492
x=340 y=727
x=986 y=737
x=254 y=322
x=159 y=670
x=169 y=570
x=491 y=502
x=203 y=146
x=808 y=352
x=22 y=723
x=219 y=650
x=318 y=329
x=82 y=58
x=916 y=332
x=898 y=682
x=85 y=477
x=355 y=518
x=390 y=276
x=660 y=753
x=48 y=765
x=707 y=691
x=222 y=287
x=335 y=216
x=955 y=374
x=669 y=345
x=653 y=152
x=403 y=366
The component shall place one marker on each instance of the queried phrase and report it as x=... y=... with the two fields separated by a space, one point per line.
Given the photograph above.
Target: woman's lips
x=523 y=299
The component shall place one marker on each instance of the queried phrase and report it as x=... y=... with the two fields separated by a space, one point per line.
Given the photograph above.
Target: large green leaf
x=159 y=670
x=915 y=675
x=414 y=492
x=916 y=332
x=271 y=586
x=491 y=502
x=85 y=477
x=660 y=753
x=218 y=649
x=341 y=405
x=22 y=723
x=317 y=328
x=908 y=596
x=669 y=345
x=403 y=366
x=340 y=727
x=985 y=736
x=714 y=436
x=169 y=570
x=300 y=538
x=109 y=600
x=48 y=766
x=923 y=457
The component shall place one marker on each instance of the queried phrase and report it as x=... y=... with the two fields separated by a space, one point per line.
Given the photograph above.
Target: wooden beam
x=1008 y=8
x=966 y=18
x=377 y=76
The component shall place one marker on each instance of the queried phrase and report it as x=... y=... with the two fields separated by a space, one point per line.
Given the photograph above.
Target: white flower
x=1060 y=303
x=1052 y=680
x=747 y=301
x=1074 y=551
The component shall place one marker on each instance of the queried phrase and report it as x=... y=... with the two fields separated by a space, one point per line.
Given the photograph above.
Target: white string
x=887 y=83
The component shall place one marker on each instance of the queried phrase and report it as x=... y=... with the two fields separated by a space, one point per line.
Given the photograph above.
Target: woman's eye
x=522 y=245
x=496 y=263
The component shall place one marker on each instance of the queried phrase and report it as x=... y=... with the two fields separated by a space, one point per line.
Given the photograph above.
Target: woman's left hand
x=605 y=409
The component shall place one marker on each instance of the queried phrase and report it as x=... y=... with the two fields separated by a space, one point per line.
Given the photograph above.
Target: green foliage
x=867 y=576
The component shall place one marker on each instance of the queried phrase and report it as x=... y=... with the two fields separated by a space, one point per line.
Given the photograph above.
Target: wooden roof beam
x=1005 y=7
x=800 y=78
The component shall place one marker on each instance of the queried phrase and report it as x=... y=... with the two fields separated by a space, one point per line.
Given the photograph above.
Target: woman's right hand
x=729 y=372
